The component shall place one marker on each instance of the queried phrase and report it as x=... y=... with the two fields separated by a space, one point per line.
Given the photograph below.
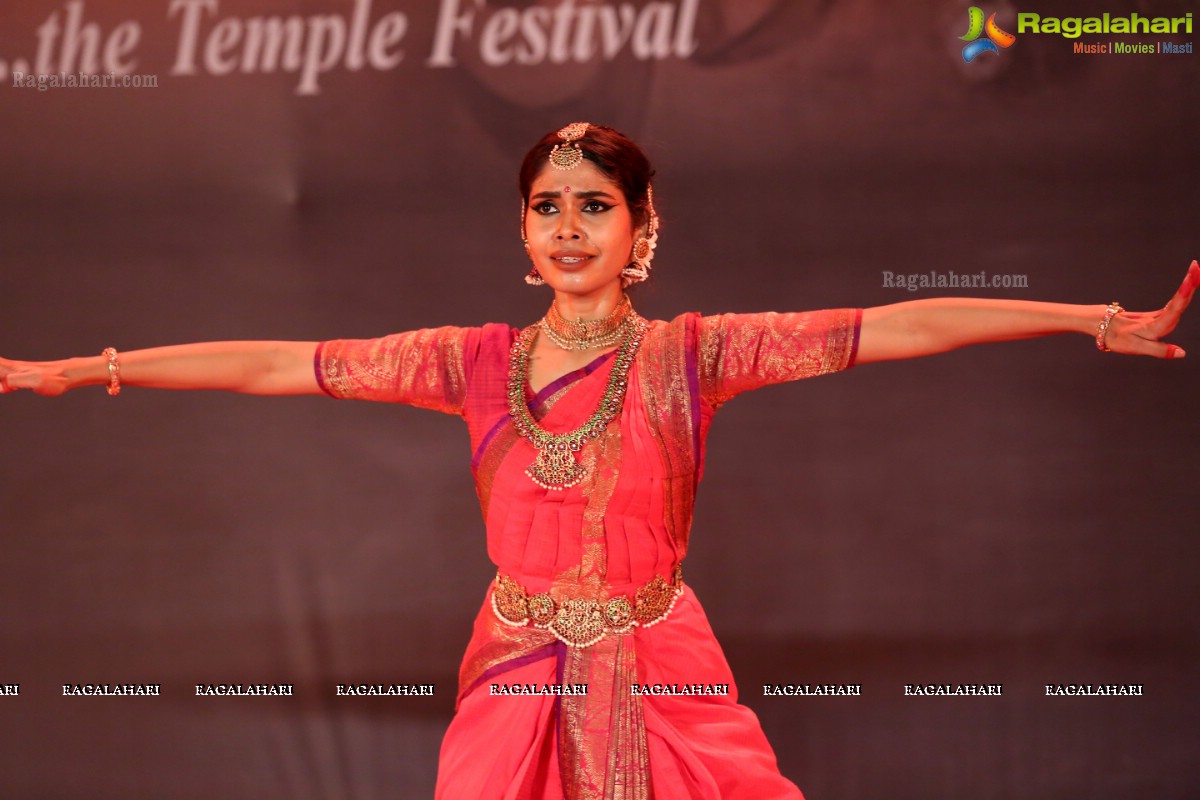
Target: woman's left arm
x=924 y=327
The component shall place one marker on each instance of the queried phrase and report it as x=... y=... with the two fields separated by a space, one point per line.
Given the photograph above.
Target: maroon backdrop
x=1018 y=514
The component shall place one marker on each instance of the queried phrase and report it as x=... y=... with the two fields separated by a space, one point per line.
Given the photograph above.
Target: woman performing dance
x=588 y=436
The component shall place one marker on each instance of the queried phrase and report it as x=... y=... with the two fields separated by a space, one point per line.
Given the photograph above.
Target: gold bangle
x=114 y=371
x=1113 y=309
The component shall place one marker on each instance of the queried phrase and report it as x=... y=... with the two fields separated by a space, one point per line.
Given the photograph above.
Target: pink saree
x=625 y=527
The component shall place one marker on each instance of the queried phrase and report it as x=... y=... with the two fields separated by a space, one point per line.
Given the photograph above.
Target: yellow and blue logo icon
x=996 y=38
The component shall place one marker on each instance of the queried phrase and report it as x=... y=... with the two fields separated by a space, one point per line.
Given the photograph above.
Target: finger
x=1164 y=321
x=8 y=367
x=22 y=380
x=1137 y=346
x=1183 y=296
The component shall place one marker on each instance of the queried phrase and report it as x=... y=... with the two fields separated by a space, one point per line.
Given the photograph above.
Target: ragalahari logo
x=996 y=38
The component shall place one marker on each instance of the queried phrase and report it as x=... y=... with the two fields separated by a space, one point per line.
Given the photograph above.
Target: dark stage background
x=1019 y=514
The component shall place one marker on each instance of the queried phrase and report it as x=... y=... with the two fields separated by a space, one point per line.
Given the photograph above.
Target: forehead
x=586 y=177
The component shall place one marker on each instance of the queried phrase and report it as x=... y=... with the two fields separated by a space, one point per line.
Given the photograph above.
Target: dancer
x=587 y=432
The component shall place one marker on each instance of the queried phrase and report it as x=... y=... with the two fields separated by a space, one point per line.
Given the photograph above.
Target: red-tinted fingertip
x=1174 y=351
x=1193 y=276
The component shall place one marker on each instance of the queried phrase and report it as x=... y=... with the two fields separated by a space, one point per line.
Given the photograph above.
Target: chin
x=586 y=282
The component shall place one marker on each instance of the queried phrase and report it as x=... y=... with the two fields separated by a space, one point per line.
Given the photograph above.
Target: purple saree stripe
x=560 y=670
x=857 y=331
x=537 y=655
x=483 y=444
x=692 y=360
x=537 y=400
x=566 y=380
x=320 y=372
x=492 y=366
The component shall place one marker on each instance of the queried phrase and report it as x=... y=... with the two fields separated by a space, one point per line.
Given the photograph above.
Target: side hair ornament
x=638 y=268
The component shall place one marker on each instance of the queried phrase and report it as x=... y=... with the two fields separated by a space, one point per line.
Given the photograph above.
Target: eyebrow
x=583 y=195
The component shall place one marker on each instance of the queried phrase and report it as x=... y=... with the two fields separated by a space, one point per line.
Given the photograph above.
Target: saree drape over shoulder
x=621 y=533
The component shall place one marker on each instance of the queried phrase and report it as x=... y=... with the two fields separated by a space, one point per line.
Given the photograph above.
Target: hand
x=44 y=377
x=1140 y=333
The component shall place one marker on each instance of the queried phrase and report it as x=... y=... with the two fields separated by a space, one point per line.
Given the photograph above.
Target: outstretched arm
x=924 y=327
x=277 y=368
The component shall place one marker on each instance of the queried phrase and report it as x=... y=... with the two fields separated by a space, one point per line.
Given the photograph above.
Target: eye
x=596 y=206
x=544 y=207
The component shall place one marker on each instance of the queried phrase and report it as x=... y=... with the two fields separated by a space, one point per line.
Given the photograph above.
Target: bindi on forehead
x=585 y=177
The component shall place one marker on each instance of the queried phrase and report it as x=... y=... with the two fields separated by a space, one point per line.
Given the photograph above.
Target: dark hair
x=613 y=153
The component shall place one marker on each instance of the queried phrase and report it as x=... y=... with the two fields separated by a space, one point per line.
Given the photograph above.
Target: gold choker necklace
x=585 y=335
x=556 y=466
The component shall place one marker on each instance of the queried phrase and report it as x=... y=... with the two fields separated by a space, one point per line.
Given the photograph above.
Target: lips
x=570 y=258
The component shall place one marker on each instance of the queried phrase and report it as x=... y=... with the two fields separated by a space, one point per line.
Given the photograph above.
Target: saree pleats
x=612 y=744
x=602 y=735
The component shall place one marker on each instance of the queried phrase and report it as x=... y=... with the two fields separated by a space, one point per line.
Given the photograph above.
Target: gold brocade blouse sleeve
x=425 y=368
x=739 y=352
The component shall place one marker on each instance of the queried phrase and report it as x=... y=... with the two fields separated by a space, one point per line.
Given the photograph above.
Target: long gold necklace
x=556 y=466
x=585 y=335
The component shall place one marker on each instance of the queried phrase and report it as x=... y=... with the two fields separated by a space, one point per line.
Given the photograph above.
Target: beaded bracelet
x=1113 y=309
x=114 y=371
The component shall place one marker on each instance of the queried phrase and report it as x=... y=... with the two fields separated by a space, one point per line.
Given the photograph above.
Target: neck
x=588 y=307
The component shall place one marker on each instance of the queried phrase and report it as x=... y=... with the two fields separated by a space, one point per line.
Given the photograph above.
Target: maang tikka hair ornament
x=568 y=155
x=638 y=269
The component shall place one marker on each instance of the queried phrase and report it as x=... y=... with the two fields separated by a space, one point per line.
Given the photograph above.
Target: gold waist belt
x=581 y=623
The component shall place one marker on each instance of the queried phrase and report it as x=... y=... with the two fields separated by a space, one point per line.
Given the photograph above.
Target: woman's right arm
x=272 y=368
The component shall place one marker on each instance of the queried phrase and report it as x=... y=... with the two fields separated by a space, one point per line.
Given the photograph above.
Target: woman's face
x=580 y=230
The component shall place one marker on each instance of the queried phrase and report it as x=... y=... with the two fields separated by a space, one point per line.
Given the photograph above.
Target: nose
x=568 y=225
